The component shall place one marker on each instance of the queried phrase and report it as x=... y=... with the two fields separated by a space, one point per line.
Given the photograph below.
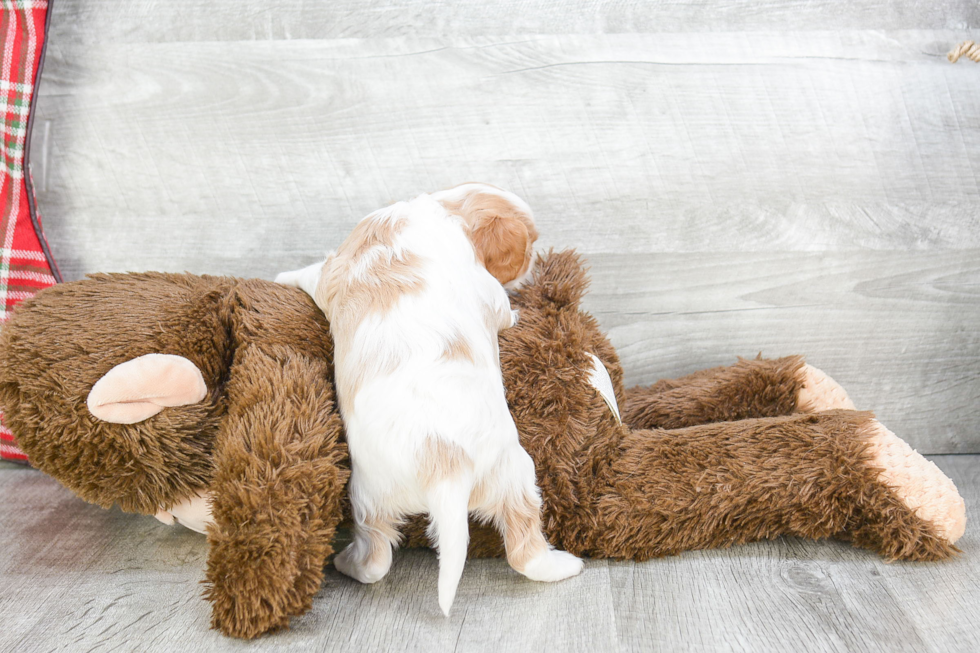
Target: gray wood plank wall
x=783 y=177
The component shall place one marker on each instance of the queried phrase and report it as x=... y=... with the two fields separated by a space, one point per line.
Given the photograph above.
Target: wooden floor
x=78 y=578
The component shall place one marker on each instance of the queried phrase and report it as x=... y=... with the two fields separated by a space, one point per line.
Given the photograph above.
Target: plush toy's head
x=60 y=343
x=64 y=349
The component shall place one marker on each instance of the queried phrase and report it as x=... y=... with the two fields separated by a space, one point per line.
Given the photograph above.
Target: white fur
x=425 y=395
x=305 y=279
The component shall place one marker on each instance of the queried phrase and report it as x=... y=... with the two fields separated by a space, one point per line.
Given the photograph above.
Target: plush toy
x=167 y=394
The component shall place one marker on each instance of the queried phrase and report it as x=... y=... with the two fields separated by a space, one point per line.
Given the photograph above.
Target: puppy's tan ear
x=502 y=244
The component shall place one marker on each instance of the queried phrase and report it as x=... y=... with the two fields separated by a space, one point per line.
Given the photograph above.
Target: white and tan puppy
x=415 y=298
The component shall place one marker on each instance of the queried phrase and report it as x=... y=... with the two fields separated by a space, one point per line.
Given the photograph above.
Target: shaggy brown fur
x=267 y=441
x=59 y=342
x=750 y=388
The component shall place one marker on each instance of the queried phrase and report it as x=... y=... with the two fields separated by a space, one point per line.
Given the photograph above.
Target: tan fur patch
x=523 y=539
x=458 y=349
x=479 y=496
x=439 y=460
x=349 y=384
x=517 y=517
x=381 y=533
x=381 y=282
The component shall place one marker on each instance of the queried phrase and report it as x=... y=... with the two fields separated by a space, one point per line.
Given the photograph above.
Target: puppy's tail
x=448 y=528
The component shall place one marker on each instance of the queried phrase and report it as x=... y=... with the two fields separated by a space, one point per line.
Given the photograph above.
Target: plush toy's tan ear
x=139 y=389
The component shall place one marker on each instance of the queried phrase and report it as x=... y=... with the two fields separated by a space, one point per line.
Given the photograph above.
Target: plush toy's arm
x=278 y=487
x=835 y=473
x=748 y=389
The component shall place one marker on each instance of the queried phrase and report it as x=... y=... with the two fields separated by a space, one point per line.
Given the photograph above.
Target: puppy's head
x=500 y=226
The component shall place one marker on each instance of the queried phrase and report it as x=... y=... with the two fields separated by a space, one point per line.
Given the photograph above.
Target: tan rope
x=967 y=49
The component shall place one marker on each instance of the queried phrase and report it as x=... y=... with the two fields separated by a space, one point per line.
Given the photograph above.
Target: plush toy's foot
x=918 y=483
x=820 y=392
x=193 y=513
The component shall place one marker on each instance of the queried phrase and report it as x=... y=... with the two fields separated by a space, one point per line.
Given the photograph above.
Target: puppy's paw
x=515 y=317
x=553 y=565
x=290 y=278
x=349 y=562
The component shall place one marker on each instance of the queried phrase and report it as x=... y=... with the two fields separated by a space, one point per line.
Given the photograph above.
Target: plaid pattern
x=25 y=262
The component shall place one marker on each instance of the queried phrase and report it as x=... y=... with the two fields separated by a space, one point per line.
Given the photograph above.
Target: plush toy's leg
x=277 y=491
x=830 y=474
x=748 y=389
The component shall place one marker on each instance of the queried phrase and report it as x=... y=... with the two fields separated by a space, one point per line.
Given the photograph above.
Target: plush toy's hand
x=277 y=492
x=193 y=513
x=140 y=388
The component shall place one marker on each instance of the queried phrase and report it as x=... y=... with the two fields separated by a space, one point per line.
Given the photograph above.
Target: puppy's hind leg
x=511 y=497
x=368 y=557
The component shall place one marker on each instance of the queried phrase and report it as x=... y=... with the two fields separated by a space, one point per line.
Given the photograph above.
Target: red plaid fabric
x=26 y=265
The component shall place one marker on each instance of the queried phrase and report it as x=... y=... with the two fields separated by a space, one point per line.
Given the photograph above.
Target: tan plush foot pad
x=820 y=392
x=193 y=513
x=922 y=486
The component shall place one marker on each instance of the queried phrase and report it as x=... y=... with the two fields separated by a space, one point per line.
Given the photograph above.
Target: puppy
x=415 y=298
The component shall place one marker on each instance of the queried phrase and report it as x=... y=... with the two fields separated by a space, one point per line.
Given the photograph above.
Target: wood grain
x=95 y=21
x=246 y=158
x=77 y=577
x=897 y=330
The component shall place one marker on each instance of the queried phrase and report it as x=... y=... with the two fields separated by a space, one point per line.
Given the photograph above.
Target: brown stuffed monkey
x=169 y=394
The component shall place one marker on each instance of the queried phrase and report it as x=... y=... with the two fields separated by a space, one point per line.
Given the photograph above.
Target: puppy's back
x=405 y=291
